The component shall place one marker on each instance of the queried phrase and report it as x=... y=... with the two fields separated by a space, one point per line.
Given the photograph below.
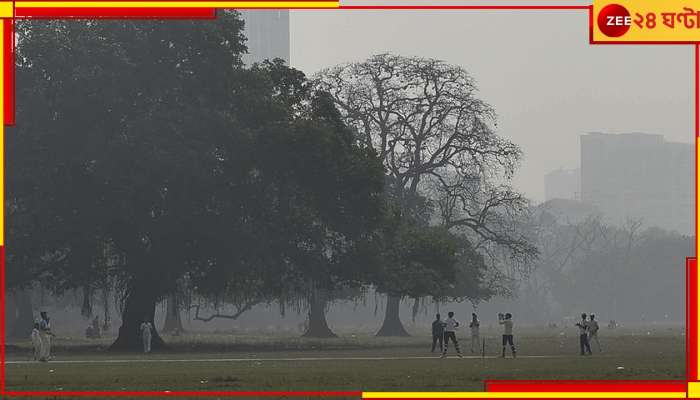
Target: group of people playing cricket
x=445 y=331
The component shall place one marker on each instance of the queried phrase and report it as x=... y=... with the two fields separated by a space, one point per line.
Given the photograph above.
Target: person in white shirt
x=146 y=330
x=45 y=334
x=583 y=335
x=507 y=322
x=36 y=340
x=451 y=325
x=474 y=325
x=593 y=332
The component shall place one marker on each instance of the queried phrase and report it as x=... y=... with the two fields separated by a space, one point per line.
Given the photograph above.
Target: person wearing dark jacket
x=583 y=335
x=438 y=332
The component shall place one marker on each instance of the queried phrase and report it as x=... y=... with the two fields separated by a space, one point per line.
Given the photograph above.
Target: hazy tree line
x=149 y=165
x=631 y=272
x=149 y=162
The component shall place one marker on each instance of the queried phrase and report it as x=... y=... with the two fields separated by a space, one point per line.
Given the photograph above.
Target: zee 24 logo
x=615 y=20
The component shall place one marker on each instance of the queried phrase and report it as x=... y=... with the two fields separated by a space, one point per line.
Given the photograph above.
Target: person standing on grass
x=593 y=332
x=451 y=326
x=438 y=332
x=474 y=325
x=507 y=322
x=36 y=340
x=45 y=335
x=146 y=330
x=96 y=327
x=583 y=335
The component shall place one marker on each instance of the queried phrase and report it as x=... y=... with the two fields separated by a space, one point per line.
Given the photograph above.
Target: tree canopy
x=148 y=156
x=444 y=160
x=152 y=156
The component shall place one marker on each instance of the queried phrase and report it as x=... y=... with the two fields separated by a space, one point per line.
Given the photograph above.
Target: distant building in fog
x=638 y=175
x=563 y=184
x=268 y=35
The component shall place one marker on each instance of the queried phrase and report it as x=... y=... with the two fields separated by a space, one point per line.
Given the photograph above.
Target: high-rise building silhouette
x=268 y=35
x=639 y=176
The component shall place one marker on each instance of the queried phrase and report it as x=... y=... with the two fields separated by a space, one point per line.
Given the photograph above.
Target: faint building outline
x=562 y=184
x=639 y=175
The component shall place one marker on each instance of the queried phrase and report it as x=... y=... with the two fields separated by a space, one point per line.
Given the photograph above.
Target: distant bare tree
x=419 y=115
x=562 y=244
x=434 y=135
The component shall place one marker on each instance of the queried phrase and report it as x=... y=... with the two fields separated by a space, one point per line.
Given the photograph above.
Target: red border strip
x=584 y=386
x=115 y=13
x=8 y=43
x=691 y=310
x=2 y=317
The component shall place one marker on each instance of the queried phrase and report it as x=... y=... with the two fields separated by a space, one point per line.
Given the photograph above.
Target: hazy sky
x=547 y=84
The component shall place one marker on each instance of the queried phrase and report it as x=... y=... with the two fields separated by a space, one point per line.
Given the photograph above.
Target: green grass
x=643 y=355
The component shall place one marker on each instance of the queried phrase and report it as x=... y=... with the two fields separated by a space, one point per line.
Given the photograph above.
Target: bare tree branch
x=239 y=311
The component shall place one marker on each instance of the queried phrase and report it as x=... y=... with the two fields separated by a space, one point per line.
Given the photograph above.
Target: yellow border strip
x=177 y=4
x=6 y=9
x=523 y=395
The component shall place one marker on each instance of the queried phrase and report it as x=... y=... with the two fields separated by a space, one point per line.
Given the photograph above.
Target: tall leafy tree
x=120 y=119
x=436 y=139
x=155 y=159
x=327 y=198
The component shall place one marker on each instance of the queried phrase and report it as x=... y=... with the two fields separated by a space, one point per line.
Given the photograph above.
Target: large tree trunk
x=107 y=320
x=140 y=305
x=86 y=309
x=24 y=315
x=392 y=325
x=318 y=327
x=173 y=322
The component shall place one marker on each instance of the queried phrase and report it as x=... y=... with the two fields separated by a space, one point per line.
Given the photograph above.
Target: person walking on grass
x=146 y=333
x=438 y=332
x=507 y=322
x=474 y=326
x=593 y=329
x=583 y=335
x=451 y=325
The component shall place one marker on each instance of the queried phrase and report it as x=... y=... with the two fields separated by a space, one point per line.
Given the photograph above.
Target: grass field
x=349 y=363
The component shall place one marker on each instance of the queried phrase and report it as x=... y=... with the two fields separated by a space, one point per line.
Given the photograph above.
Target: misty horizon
x=547 y=84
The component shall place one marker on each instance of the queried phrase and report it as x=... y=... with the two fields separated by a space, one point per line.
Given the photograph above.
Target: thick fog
x=537 y=69
x=550 y=88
